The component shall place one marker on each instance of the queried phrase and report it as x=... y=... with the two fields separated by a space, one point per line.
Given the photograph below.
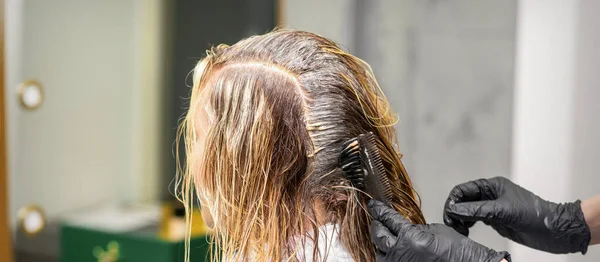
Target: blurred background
x=93 y=91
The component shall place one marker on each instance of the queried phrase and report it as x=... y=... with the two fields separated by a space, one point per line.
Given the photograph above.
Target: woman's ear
x=341 y=198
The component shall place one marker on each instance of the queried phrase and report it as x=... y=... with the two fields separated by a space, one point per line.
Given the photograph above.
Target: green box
x=77 y=244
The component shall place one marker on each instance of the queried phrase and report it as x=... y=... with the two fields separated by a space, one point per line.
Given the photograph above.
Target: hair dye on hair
x=280 y=107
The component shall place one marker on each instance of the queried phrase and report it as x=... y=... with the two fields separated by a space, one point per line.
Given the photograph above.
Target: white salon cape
x=330 y=247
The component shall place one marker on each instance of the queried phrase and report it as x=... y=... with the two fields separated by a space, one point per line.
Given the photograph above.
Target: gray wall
x=331 y=18
x=447 y=69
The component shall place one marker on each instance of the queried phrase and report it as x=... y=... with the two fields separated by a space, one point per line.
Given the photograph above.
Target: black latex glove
x=519 y=215
x=397 y=239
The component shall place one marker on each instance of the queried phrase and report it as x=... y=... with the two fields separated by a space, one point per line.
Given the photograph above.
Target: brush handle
x=376 y=181
x=373 y=186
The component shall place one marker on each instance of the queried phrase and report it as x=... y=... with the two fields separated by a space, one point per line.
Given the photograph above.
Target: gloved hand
x=519 y=215
x=397 y=239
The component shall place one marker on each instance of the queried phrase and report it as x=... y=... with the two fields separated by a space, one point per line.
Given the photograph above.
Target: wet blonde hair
x=280 y=106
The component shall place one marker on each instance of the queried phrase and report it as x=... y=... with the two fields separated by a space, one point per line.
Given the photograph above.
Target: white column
x=13 y=28
x=555 y=147
x=147 y=102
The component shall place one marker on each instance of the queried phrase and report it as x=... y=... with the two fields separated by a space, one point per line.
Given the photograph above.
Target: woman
x=267 y=120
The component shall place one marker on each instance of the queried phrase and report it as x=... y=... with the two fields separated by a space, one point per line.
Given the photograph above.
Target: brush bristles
x=362 y=164
x=350 y=163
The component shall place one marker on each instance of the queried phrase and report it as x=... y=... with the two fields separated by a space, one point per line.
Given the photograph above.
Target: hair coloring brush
x=362 y=165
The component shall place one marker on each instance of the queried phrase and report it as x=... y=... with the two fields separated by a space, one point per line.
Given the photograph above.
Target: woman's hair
x=279 y=108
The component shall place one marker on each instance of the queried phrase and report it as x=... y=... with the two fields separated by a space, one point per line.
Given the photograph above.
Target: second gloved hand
x=519 y=215
x=397 y=239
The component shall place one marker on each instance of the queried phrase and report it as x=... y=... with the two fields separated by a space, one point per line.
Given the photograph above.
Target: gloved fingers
x=422 y=240
x=465 y=192
x=490 y=212
x=383 y=239
x=477 y=190
x=393 y=220
x=460 y=226
x=469 y=191
x=380 y=256
x=505 y=255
